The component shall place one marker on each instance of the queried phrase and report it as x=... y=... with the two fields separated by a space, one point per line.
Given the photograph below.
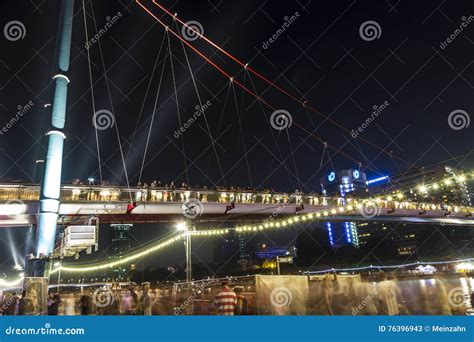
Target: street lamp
x=182 y=227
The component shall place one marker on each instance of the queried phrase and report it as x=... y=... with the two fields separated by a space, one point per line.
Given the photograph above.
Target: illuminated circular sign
x=332 y=176
x=356 y=174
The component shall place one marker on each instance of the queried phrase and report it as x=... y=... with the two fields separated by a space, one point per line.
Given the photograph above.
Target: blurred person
x=70 y=305
x=137 y=300
x=363 y=295
x=340 y=301
x=53 y=305
x=225 y=301
x=9 y=304
x=146 y=300
x=241 y=308
x=85 y=304
x=388 y=295
x=116 y=306
x=128 y=303
x=326 y=294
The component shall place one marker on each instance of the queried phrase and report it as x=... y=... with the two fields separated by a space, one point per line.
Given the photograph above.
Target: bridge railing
x=84 y=193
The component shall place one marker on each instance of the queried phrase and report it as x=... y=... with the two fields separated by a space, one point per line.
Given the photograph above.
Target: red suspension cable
x=294 y=98
x=237 y=82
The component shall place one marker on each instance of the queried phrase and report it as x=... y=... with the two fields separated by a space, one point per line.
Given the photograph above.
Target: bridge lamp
x=423 y=189
x=399 y=196
x=448 y=182
x=461 y=179
x=435 y=186
x=181 y=226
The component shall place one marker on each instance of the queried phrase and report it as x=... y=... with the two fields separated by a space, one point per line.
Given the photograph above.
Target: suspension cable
x=112 y=107
x=242 y=133
x=259 y=98
x=142 y=108
x=154 y=109
x=272 y=84
x=177 y=103
x=92 y=91
x=200 y=106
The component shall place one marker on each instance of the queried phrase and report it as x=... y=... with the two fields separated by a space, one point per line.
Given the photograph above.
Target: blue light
x=376 y=180
x=332 y=176
x=356 y=174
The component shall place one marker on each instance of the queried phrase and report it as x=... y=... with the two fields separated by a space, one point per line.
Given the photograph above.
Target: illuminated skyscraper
x=341 y=183
x=120 y=243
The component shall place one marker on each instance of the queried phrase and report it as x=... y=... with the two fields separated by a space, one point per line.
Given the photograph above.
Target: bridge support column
x=29 y=250
x=51 y=186
x=189 y=263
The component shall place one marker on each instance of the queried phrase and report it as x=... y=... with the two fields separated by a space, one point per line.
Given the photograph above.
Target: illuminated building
x=341 y=183
x=437 y=185
x=120 y=244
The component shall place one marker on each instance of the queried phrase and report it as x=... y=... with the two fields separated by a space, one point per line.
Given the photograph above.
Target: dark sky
x=320 y=58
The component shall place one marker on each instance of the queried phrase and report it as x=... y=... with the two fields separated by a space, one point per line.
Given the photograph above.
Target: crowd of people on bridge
x=332 y=296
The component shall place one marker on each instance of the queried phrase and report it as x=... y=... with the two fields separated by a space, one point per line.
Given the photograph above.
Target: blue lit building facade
x=341 y=183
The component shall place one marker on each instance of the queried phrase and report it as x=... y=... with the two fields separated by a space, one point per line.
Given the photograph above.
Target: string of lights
x=380 y=267
x=296 y=219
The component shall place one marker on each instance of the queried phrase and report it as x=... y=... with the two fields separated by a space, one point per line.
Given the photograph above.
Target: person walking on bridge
x=225 y=301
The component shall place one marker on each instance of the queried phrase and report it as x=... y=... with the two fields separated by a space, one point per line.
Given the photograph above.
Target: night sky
x=321 y=58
